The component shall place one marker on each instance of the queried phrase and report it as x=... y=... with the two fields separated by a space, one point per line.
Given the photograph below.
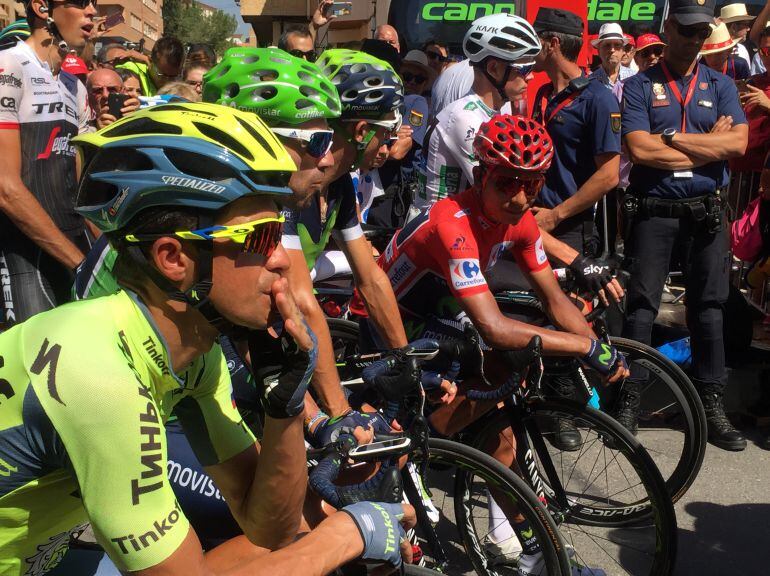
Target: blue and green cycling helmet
x=193 y=155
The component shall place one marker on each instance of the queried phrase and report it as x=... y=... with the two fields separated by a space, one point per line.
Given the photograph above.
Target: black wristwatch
x=668 y=135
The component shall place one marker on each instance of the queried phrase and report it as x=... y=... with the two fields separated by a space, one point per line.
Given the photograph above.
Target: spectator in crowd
x=679 y=146
x=629 y=49
x=649 y=49
x=738 y=24
x=76 y=67
x=193 y=76
x=382 y=50
x=181 y=89
x=437 y=54
x=132 y=85
x=101 y=83
x=166 y=63
x=109 y=54
x=718 y=55
x=387 y=33
x=611 y=44
x=298 y=41
x=759 y=29
x=202 y=54
x=416 y=72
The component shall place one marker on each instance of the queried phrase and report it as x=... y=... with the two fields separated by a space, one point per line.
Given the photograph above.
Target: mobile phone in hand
x=338 y=9
x=113 y=20
x=115 y=103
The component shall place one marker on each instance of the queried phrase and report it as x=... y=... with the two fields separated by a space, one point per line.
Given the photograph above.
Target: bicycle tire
x=680 y=387
x=344 y=335
x=469 y=466
x=653 y=513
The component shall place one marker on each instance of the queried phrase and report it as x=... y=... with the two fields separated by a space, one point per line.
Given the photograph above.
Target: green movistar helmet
x=369 y=88
x=278 y=87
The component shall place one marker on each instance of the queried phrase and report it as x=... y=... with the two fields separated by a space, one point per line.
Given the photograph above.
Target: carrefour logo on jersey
x=465 y=272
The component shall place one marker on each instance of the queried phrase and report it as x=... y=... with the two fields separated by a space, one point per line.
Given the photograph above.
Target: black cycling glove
x=330 y=429
x=282 y=370
x=592 y=275
x=603 y=358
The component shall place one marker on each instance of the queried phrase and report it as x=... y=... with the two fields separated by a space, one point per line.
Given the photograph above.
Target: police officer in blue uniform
x=583 y=119
x=681 y=122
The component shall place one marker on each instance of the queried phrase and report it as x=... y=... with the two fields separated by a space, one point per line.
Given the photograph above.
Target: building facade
x=143 y=20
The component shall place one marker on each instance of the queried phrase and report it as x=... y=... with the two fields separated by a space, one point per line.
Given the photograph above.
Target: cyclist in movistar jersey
x=187 y=196
x=292 y=90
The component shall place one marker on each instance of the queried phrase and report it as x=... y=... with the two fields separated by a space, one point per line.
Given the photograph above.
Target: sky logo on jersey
x=465 y=272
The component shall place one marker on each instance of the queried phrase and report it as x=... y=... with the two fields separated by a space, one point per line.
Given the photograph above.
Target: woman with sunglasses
x=198 y=257
x=41 y=108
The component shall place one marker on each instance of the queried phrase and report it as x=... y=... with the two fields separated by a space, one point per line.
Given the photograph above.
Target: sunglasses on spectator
x=317 y=143
x=764 y=51
x=436 y=56
x=409 y=77
x=310 y=55
x=652 y=51
x=97 y=90
x=699 y=32
x=256 y=237
x=82 y=4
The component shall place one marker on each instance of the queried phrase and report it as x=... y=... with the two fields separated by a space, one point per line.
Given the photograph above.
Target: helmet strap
x=53 y=30
x=350 y=139
x=499 y=86
x=197 y=296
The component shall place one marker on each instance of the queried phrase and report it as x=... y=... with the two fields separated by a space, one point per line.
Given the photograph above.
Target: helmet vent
x=309 y=91
x=264 y=93
x=374 y=96
x=304 y=76
x=223 y=139
x=198 y=166
x=258 y=137
x=349 y=95
x=472 y=47
x=142 y=127
x=232 y=90
x=249 y=59
x=280 y=61
x=373 y=81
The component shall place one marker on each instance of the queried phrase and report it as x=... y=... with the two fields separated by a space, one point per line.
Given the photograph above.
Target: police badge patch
x=416 y=118
x=615 y=121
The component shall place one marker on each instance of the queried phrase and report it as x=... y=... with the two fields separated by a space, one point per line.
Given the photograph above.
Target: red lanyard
x=675 y=90
x=726 y=67
x=561 y=105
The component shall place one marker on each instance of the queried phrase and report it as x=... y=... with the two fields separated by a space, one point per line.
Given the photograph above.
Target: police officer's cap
x=691 y=12
x=557 y=20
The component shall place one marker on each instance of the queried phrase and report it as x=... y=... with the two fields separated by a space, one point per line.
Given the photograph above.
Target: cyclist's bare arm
x=264 y=487
x=504 y=333
x=335 y=542
x=563 y=313
x=21 y=206
x=326 y=380
x=376 y=290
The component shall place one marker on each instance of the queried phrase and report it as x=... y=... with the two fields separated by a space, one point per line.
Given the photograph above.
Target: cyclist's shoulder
x=466 y=109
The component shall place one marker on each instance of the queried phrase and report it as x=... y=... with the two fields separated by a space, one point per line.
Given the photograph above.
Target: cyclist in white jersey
x=501 y=49
x=42 y=107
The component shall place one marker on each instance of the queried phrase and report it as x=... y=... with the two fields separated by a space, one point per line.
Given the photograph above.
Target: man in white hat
x=717 y=54
x=611 y=44
x=738 y=23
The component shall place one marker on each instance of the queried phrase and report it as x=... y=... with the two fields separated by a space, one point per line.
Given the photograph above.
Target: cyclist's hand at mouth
x=294 y=323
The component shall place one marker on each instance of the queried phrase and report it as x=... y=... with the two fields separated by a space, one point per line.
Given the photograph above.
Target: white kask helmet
x=504 y=36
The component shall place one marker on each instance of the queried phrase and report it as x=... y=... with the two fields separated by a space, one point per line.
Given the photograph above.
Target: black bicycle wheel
x=458 y=478
x=608 y=497
x=672 y=422
x=344 y=335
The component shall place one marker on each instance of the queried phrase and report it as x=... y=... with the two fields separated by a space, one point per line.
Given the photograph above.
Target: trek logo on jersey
x=401 y=270
x=55 y=108
x=5 y=282
x=158 y=530
x=540 y=251
x=57 y=145
x=465 y=272
x=9 y=80
x=194 y=183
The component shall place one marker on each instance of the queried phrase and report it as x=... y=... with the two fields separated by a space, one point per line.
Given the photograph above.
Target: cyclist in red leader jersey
x=436 y=263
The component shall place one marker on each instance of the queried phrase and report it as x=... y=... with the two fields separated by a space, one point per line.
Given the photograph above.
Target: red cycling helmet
x=514 y=142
